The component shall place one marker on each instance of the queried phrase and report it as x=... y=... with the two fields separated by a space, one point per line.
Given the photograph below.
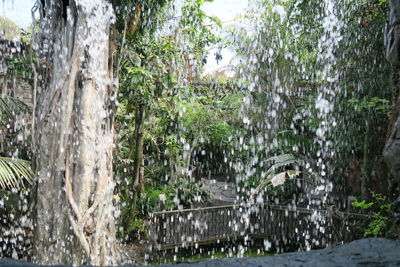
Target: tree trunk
x=367 y=158
x=138 y=156
x=74 y=214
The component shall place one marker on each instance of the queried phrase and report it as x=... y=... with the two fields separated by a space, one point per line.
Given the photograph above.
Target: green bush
x=186 y=192
x=381 y=211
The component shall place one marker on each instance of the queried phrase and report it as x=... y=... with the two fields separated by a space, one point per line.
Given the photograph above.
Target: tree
x=8 y=29
x=150 y=64
x=73 y=135
x=75 y=103
x=13 y=172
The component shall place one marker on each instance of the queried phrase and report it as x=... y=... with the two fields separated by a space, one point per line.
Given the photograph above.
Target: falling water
x=274 y=68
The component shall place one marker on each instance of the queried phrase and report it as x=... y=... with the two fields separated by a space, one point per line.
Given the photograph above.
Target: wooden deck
x=277 y=224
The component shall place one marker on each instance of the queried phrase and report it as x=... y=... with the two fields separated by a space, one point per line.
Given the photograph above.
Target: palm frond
x=14 y=173
x=11 y=106
x=274 y=177
x=283 y=160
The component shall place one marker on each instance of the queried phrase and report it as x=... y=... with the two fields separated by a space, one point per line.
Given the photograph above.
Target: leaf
x=275 y=180
x=283 y=160
x=362 y=204
x=278 y=179
x=11 y=106
x=131 y=59
x=216 y=20
x=14 y=172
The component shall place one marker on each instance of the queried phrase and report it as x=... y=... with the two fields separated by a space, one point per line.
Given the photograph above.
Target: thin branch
x=35 y=75
x=121 y=53
x=68 y=190
x=80 y=236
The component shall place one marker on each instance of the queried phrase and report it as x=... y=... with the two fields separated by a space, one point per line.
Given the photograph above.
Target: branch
x=80 y=236
x=68 y=190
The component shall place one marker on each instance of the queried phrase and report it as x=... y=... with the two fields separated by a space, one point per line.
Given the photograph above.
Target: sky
x=226 y=11
x=18 y=11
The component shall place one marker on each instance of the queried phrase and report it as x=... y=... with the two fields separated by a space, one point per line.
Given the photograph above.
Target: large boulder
x=393 y=34
x=364 y=252
x=391 y=152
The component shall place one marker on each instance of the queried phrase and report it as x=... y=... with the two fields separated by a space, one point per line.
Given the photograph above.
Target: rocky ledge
x=365 y=252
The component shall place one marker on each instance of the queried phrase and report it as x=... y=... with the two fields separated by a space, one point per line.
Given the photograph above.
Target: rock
x=364 y=252
x=394 y=221
x=14 y=262
x=393 y=34
x=391 y=151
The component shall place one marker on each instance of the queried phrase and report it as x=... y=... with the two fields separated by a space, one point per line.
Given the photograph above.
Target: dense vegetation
x=308 y=108
x=325 y=87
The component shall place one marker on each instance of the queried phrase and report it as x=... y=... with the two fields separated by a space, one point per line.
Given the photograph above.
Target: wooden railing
x=279 y=224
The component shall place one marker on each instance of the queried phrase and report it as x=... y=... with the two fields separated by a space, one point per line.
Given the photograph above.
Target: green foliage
x=376 y=226
x=204 y=120
x=284 y=68
x=183 y=192
x=134 y=230
x=195 y=26
x=376 y=104
x=11 y=106
x=139 y=226
x=362 y=204
x=380 y=210
x=12 y=202
x=144 y=16
x=282 y=49
x=20 y=66
x=8 y=29
x=150 y=200
x=15 y=173
x=186 y=192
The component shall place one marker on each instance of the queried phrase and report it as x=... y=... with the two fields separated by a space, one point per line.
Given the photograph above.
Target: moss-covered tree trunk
x=138 y=157
x=74 y=214
x=367 y=157
x=137 y=182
